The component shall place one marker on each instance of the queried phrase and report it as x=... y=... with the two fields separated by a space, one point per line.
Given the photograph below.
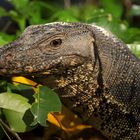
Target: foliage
x=23 y=112
x=108 y=15
x=46 y=102
x=31 y=106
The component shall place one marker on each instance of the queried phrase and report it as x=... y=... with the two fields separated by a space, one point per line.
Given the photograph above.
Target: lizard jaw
x=10 y=68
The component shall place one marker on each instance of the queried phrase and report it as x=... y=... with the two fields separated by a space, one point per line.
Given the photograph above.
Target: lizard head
x=44 y=47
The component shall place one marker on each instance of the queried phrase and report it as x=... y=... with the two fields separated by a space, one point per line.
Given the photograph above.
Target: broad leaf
x=15 y=120
x=46 y=101
x=14 y=102
x=14 y=107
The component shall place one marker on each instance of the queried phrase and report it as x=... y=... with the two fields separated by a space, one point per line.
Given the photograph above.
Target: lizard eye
x=56 y=43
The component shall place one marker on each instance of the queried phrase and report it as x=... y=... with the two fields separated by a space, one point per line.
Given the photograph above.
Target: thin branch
x=9 y=130
x=5 y=131
x=6 y=26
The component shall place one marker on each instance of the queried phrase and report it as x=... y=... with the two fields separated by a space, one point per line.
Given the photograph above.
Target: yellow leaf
x=67 y=121
x=23 y=80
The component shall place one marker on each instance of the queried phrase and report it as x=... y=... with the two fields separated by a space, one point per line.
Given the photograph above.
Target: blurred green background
x=122 y=17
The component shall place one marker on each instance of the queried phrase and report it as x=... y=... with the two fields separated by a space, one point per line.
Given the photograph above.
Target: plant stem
x=9 y=130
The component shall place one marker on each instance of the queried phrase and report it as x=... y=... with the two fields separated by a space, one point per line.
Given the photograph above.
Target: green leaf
x=15 y=120
x=131 y=35
x=21 y=89
x=5 y=38
x=46 y=101
x=3 y=12
x=135 y=10
x=135 y=49
x=2 y=41
x=14 y=102
x=113 y=6
x=19 y=3
x=14 y=107
x=13 y=14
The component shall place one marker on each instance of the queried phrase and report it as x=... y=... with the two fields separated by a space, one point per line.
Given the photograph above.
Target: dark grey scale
x=95 y=113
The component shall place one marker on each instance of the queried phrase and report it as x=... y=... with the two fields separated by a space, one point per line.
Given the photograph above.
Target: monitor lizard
x=93 y=72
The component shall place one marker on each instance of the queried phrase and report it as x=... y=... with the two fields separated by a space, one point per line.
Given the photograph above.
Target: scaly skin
x=93 y=72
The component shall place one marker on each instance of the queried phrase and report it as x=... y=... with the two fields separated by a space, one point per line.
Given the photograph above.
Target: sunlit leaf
x=14 y=102
x=14 y=107
x=135 y=10
x=15 y=120
x=135 y=49
x=23 y=80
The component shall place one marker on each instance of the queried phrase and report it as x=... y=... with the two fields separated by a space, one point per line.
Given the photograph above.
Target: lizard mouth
x=3 y=71
x=58 y=67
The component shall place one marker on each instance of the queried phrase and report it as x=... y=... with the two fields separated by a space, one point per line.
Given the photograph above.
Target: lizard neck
x=79 y=89
x=115 y=58
x=120 y=70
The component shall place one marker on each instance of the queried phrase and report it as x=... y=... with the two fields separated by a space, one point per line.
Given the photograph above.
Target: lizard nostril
x=4 y=59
